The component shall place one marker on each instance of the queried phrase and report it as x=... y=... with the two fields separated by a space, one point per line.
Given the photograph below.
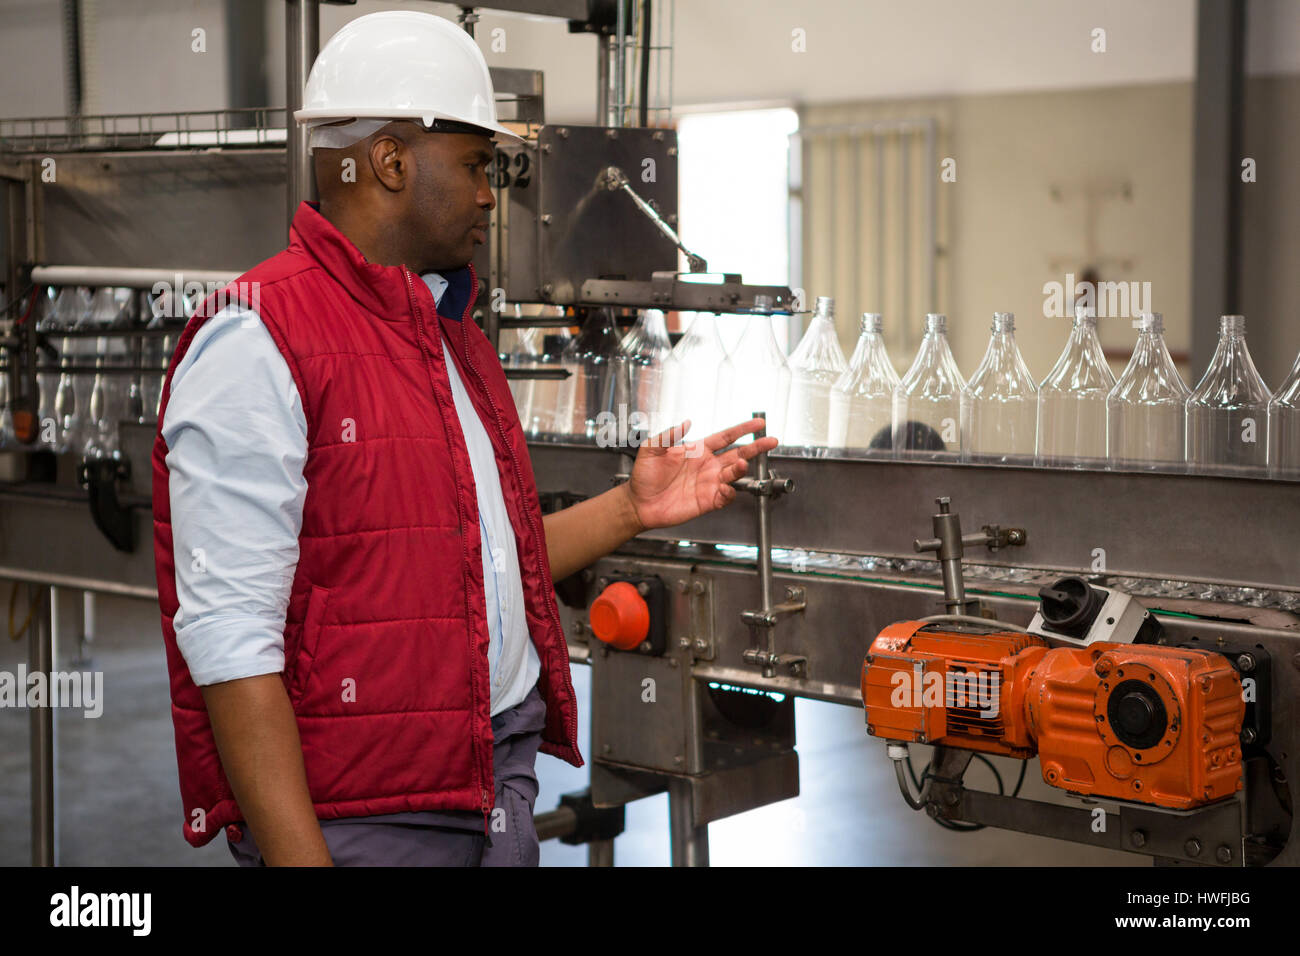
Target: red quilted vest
x=386 y=635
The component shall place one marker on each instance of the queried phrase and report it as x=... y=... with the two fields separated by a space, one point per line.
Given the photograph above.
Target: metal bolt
x=606 y=749
x=1223 y=854
x=1103 y=667
x=1248 y=735
x=602 y=583
x=547 y=289
x=672 y=150
x=1138 y=838
x=701 y=644
x=658 y=136
x=697 y=587
x=563 y=132
x=672 y=662
x=611 y=133
x=1246 y=662
x=683 y=642
x=546 y=219
x=681 y=587
x=546 y=147
x=679 y=760
x=642 y=588
x=1192 y=847
x=644 y=647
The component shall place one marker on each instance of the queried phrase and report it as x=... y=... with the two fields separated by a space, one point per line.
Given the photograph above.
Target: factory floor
x=118 y=802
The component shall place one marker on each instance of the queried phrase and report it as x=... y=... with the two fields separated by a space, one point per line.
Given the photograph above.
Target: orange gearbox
x=1139 y=722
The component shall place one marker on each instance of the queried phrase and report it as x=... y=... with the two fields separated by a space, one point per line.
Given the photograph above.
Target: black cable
x=957 y=825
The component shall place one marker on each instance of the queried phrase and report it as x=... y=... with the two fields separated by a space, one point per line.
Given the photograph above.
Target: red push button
x=620 y=616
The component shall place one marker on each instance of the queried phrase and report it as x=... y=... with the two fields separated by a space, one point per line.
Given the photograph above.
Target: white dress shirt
x=236 y=442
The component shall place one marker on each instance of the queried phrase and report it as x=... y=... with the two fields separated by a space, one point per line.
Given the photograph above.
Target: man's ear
x=390 y=160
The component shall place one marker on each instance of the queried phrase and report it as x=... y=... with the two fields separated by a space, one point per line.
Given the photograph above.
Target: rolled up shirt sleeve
x=236 y=441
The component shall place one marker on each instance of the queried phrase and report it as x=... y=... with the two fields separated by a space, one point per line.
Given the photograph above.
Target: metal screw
x=697 y=587
x=546 y=147
x=546 y=219
x=1248 y=735
x=1223 y=854
x=679 y=760
x=672 y=662
x=642 y=588
x=602 y=583
x=681 y=587
x=672 y=150
x=547 y=289
x=611 y=133
x=1193 y=847
x=683 y=642
x=1246 y=662
x=701 y=644
x=563 y=132
x=1138 y=838
x=658 y=136
x=644 y=647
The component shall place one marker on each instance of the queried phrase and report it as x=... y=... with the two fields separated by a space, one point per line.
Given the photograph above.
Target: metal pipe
x=600 y=853
x=602 y=81
x=302 y=43
x=556 y=823
x=762 y=473
x=620 y=68
x=690 y=843
x=40 y=659
x=77 y=582
x=97 y=276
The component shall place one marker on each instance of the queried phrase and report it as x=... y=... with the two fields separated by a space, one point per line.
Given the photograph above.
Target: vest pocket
x=305 y=659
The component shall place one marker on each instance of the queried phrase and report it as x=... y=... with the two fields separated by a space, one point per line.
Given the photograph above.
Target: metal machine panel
x=1234 y=531
x=594 y=232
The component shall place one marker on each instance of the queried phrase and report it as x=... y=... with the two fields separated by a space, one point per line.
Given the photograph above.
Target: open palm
x=674 y=481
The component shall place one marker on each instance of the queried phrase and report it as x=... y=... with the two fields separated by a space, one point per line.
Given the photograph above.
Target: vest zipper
x=548 y=593
x=419 y=325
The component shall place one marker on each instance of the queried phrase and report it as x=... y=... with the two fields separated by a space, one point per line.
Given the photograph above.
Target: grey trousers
x=442 y=838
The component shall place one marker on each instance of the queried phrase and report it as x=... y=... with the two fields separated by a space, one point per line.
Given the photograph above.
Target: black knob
x=1070 y=605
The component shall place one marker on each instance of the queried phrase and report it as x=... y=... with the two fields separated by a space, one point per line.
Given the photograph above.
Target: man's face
x=452 y=197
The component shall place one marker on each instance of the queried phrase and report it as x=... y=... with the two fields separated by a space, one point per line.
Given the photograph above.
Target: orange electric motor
x=1139 y=722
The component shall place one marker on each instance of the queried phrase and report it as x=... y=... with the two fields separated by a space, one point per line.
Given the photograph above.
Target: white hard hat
x=401 y=64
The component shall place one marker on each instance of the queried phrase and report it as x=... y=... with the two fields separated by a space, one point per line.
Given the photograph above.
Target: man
x=355 y=578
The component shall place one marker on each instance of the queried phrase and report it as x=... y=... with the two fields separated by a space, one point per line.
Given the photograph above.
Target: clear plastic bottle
x=645 y=349
x=1001 y=401
x=1072 y=400
x=68 y=437
x=600 y=387
x=926 y=422
x=551 y=410
x=862 y=400
x=1227 y=412
x=697 y=380
x=761 y=377
x=524 y=355
x=816 y=364
x=1145 y=410
x=1284 y=427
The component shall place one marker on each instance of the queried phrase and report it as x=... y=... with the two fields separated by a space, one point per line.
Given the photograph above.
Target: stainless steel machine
x=701 y=637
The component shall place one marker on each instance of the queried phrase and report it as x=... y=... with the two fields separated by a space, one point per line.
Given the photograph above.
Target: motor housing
x=1148 y=723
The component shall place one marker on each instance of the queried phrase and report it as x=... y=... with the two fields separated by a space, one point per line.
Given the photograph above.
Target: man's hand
x=674 y=482
x=670 y=483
